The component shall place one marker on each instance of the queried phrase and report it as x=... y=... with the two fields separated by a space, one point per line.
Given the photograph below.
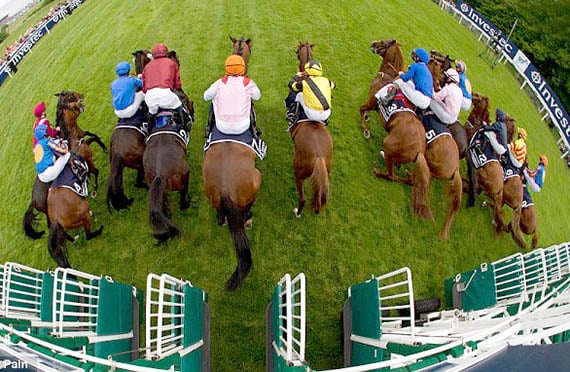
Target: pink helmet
x=159 y=50
x=40 y=109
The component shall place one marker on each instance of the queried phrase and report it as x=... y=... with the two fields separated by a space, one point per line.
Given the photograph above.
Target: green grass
x=367 y=228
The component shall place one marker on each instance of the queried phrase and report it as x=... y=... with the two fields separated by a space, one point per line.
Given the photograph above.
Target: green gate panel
x=480 y=291
x=114 y=316
x=193 y=322
x=46 y=309
x=365 y=318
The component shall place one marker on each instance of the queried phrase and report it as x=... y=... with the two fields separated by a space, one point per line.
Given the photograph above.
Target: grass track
x=367 y=228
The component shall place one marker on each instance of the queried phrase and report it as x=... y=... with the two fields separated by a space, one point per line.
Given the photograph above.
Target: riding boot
x=293 y=114
x=253 y=125
x=211 y=122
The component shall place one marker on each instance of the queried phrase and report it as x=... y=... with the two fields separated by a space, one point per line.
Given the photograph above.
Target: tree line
x=541 y=33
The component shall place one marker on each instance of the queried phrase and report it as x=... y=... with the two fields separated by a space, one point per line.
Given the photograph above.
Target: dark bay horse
x=405 y=141
x=489 y=177
x=231 y=184
x=313 y=151
x=66 y=211
x=70 y=106
x=528 y=224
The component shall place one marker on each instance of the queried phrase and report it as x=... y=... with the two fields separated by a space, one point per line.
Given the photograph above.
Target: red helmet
x=159 y=50
x=40 y=109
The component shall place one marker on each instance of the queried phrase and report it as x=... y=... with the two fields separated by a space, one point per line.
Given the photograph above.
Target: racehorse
x=528 y=223
x=67 y=210
x=70 y=106
x=126 y=150
x=489 y=177
x=313 y=151
x=241 y=47
x=405 y=141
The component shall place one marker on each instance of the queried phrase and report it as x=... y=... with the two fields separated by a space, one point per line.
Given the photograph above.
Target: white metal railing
x=164 y=315
x=509 y=279
x=75 y=301
x=22 y=291
x=292 y=318
x=535 y=272
x=396 y=294
x=2 y=305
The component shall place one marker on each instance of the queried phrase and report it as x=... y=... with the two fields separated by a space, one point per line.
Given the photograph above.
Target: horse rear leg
x=56 y=245
x=515 y=227
x=301 y=196
x=455 y=188
x=87 y=227
x=370 y=105
x=28 y=223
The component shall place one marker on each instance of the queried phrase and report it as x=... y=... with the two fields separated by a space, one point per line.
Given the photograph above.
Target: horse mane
x=480 y=113
x=309 y=54
x=59 y=121
x=511 y=124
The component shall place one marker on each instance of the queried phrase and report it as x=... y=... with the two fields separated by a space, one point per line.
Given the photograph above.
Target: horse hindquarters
x=320 y=184
x=236 y=218
x=420 y=188
x=115 y=193
x=162 y=226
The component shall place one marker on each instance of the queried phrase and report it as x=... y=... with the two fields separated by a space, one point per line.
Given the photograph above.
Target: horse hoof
x=296 y=211
x=248 y=224
x=90 y=213
x=93 y=194
x=366 y=118
x=484 y=205
x=366 y=133
x=382 y=154
x=75 y=238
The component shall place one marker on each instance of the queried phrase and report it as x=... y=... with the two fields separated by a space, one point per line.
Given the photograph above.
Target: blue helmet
x=500 y=114
x=422 y=54
x=123 y=68
x=40 y=131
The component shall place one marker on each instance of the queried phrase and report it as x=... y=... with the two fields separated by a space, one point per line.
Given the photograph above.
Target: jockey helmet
x=40 y=131
x=123 y=68
x=40 y=109
x=235 y=65
x=313 y=68
x=159 y=50
x=421 y=54
x=522 y=133
x=452 y=75
x=500 y=115
x=544 y=160
x=460 y=66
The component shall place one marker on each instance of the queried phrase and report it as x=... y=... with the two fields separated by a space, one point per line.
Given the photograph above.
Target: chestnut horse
x=313 y=151
x=70 y=105
x=66 y=211
x=405 y=141
x=126 y=150
x=488 y=178
x=241 y=47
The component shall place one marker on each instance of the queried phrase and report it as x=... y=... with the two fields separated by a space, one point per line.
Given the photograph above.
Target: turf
x=367 y=229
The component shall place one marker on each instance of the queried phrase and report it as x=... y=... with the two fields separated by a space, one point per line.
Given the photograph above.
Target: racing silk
x=501 y=129
x=519 y=150
x=465 y=86
x=421 y=76
x=231 y=97
x=449 y=99
x=123 y=90
x=540 y=176
x=51 y=132
x=44 y=153
x=317 y=91
x=161 y=73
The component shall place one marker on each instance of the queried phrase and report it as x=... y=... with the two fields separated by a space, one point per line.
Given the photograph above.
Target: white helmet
x=452 y=75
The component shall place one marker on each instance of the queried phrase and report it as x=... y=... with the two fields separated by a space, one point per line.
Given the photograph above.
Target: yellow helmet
x=314 y=68
x=544 y=160
x=522 y=133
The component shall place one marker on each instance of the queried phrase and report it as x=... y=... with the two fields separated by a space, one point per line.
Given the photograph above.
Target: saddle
x=75 y=176
x=137 y=122
x=480 y=150
x=398 y=103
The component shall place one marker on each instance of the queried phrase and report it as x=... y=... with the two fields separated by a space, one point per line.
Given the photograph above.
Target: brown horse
x=528 y=223
x=70 y=106
x=126 y=150
x=241 y=47
x=66 y=211
x=231 y=184
x=313 y=151
x=405 y=141
x=488 y=178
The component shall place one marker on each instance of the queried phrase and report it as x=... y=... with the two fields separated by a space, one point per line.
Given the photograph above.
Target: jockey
x=518 y=149
x=464 y=84
x=126 y=100
x=416 y=84
x=40 y=114
x=313 y=93
x=231 y=100
x=161 y=77
x=45 y=153
x=446 y=104
x=535 y=178
x=497 y=133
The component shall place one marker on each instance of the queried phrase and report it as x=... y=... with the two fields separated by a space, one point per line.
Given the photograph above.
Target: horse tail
x=236 y=222
x=28 y=223
x=320 y=184
x=516 y=228
x=115 y=194
x=455 y=190
x=420 y=188
x=57 y=244
x=163 y=228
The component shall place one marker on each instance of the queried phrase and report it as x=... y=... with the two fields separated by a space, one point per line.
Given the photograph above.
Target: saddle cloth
x=399 y=103
x=172 y=128
x=245 y=138
x=74 y=177
x=527 y=198
x=136 y=122
x=434 y=127
x=481 y=151
x=510 y=170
